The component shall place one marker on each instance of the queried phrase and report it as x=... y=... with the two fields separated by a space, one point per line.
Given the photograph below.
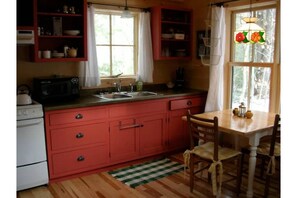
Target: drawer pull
x=189 y=103
x=131 y=126
x=79 y=116
x=80 y=158
x=79 y=135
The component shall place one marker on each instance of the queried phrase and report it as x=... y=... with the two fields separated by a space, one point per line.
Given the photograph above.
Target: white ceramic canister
x=46 y=54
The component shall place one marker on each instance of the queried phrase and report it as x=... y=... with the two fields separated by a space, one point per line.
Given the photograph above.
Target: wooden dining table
x=259 y=125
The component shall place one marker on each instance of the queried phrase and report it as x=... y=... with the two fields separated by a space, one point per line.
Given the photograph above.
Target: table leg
x=252 y=167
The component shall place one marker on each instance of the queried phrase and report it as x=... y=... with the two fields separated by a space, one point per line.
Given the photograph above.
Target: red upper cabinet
x=51 y=19
x=172 y=33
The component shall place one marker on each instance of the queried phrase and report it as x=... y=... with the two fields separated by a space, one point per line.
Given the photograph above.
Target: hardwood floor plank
x=103 y=185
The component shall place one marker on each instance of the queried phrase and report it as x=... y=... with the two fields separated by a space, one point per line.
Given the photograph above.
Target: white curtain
x=145 y=51
x=89 y=74
x=214 y=100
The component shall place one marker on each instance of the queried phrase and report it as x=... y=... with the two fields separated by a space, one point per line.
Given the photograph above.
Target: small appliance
x=57 y=88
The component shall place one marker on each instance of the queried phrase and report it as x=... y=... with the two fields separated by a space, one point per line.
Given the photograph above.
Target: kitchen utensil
x=23 y=95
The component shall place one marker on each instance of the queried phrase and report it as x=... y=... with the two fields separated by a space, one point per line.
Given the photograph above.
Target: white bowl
x=71 y=32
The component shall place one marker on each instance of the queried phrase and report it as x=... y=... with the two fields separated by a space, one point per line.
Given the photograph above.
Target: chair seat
x=264 y=148
x=206 y=151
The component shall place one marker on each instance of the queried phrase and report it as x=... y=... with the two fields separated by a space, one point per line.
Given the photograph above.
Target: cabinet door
x=177 y=130
x=152 y=134
x=124 y=144
x=178 y=136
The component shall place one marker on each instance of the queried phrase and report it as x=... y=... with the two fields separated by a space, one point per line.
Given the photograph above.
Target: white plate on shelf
x=58 y=55
x=71 y=32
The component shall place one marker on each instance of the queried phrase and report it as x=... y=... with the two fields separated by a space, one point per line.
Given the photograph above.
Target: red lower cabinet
x=85 y=139
x=75 y=143
x=178 y=136
x=79 y=160
x=124 y=144
x=152 y=137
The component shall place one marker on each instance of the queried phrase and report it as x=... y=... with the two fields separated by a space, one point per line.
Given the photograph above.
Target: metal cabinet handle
x=131 y=126
x=80 y=158
x=79 y=135
x=189 y=103
x=79 y=116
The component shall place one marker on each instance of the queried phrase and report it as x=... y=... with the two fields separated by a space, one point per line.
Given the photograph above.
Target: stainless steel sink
x=126 y=95
x=142 y=93
x=115 y=95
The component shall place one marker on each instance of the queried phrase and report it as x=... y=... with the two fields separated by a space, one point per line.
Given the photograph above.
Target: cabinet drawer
x=78 y=136
x=79 y=160
x=186 y=103
x=77 y=115
x=129 y=109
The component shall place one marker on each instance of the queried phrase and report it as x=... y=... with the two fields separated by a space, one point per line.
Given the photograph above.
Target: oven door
x=31 y=154
x=30 y=141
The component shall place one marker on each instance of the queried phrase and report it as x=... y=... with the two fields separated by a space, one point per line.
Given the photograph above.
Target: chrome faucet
x=131 y=87
x=118 y=84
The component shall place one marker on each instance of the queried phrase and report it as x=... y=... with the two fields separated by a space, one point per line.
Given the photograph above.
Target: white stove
x=32 y=167
x=30 y=111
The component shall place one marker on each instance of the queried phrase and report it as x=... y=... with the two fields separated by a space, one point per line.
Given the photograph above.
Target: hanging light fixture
x=126 y=13
x=250 y=32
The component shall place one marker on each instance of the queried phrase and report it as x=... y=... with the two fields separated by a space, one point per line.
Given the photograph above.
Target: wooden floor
x=104 y=185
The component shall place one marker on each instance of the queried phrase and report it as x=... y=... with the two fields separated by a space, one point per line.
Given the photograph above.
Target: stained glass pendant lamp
x=250 y=32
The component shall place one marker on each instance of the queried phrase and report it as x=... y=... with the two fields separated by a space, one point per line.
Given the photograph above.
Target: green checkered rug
x=139 y=174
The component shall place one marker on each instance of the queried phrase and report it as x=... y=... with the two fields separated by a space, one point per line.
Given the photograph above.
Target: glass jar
x=242 y=110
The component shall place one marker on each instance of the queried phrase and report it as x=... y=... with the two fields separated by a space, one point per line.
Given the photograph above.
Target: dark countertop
x=88 y=100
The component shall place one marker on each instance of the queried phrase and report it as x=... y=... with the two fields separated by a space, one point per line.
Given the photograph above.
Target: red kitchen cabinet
x=124 y=144
x=52 y=21
x=152 y=137
x=138 y=131
x=172 y=33
x=178 y=136
x=85 y=139
x=77 y=140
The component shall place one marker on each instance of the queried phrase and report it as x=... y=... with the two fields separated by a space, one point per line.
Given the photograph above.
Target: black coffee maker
x=179 y=81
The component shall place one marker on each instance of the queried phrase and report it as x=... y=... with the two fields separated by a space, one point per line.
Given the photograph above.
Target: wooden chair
x=268 y=151
x=208 y=154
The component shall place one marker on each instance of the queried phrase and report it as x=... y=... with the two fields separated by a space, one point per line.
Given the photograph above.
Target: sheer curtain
x=214 y=100
x=145 y=52
x=89 y=74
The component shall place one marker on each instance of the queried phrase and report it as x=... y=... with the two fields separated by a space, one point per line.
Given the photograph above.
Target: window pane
x=266 y=19
x=259 y=99
x=257 y=52
x=102 y=29
x=240 y=76
x=251 y=85
x=103 y=58
x=122 y=60
x=122 y=31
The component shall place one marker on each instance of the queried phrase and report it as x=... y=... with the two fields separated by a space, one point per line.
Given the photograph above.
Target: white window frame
x=274 y=100
x=135 y=45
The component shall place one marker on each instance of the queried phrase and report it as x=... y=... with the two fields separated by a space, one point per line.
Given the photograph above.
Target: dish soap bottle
x=139 y=84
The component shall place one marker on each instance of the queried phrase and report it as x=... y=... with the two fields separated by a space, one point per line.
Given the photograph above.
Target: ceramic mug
x=46 y=54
